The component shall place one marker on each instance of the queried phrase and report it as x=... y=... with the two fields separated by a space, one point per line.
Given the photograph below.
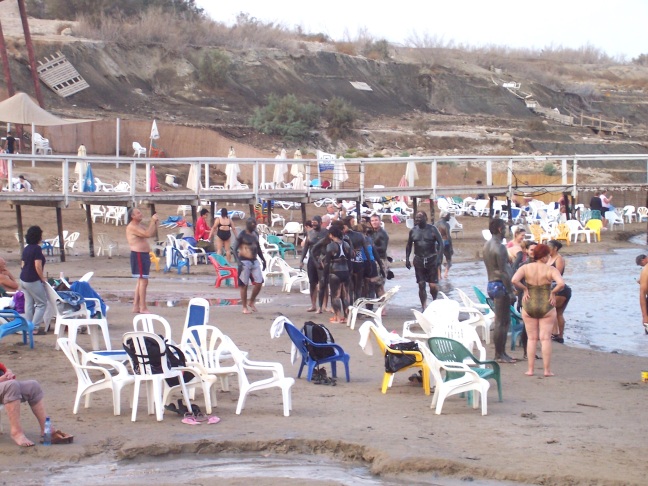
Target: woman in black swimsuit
x=336 y=267
x=538 y=304
x=223 y=229
x=562 y=297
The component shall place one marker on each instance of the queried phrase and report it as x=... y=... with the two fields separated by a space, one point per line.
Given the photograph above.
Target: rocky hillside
x=451 y=106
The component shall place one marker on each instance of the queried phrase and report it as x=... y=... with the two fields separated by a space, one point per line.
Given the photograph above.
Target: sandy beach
x=582 y=426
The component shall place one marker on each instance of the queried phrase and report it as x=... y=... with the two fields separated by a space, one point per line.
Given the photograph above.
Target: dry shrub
x=536 y=125
x=347 y=48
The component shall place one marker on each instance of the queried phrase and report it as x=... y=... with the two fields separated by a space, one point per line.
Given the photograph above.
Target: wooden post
x=19 y=224
x=432 y=210
x=59 y=226
x=88 y=211
x=213 y=212
x=303 y=215
x=251 y=209
x=194 y=215
x=567 y=205
x=415 y=205
x=32 y=59
x=491 y=210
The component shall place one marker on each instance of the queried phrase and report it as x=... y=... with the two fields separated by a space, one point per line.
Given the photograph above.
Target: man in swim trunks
x=499 y=276
x=443 y=225
x=314 y=268
x=642 y=260
x=246 y=249
x=428 y=248
x=137 y=235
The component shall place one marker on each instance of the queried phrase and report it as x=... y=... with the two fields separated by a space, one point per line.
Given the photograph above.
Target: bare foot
x=252 y=307
x=136 y=311
x=330 y=311
x=529 y=373
x=311 y=309
x=145 y=311
x=549 y=373
x=22 y=441
x=246 y=310
x=319 y=311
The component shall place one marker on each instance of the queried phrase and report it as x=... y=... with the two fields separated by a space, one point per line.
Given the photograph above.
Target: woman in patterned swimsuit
x=538 y=304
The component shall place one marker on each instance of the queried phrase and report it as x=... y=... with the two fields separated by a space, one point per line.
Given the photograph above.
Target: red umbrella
x=153 y=181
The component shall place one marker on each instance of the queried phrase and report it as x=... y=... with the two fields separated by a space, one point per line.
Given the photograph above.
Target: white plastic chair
x=614 y=219
x=245 y=386
x=420 y=321
x=629 y=213
x=361 y=306
x=143 y=372
x=115 y=376
x=469 y=381
x=106 y=245
x=86 y=277
x=138 y=150
x=642 y=214
x=153 y=323
x=576 y=229
x=71 y=240
x=97 y=212
x=41 y=144
x=101 y=186
x=277 y=218
x=488 y=316
x=73 y=319
x=292 y=276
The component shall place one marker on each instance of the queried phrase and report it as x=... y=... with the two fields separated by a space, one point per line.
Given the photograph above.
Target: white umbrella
x=411 y=173
x=280 y=169
x=231 y=171
x=191 y=178
x=298 y=171
x=339 y=172
x=155 y=135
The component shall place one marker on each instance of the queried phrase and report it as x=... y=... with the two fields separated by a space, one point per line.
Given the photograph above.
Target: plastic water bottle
x=47 y=437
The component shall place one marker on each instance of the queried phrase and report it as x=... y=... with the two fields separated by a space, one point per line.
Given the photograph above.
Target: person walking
x=538 y=304
x=443 y=225
x=137 y=235
x=427 y=243
x=246 y=248
x=500 y=290
x=32 y=279
x=222 y=230
x=642 y=261
x=562 y=297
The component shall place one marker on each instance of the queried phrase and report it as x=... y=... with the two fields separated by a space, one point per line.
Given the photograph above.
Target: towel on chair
x=276 y=329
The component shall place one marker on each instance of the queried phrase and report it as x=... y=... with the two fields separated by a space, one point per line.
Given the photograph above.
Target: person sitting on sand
x=538 y=304
x=246 y=248
x=12 y=393
x=7 y=280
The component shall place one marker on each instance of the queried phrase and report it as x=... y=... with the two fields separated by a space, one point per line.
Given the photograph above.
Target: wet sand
x=582 y=426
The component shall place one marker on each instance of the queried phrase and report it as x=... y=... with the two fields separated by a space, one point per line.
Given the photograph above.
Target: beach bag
x=174 y=356
x=318 y=333
x=395 y=361
x=19 y=302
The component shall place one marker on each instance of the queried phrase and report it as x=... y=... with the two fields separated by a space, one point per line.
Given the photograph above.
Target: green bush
x=340 y=117
x=286 y=117
x=549 y=169
x=213 y=69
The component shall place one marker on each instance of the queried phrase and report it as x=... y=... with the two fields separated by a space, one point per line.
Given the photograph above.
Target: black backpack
x=174 y=356
x=318 y=333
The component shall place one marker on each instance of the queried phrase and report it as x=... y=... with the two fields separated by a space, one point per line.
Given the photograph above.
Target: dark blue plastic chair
x=15 y=323
x=301 y=342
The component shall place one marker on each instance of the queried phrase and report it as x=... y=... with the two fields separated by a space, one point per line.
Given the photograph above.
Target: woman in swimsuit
x=562 y=297
x=538 y=304
x=336 y=267
x=223 y=229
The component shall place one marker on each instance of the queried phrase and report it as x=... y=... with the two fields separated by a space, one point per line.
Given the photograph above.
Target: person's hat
x=640 y=259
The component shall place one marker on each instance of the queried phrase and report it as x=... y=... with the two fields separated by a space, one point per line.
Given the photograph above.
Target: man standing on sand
x=10 y=145
x=380 y=243
x=315 y=255
x=500 y=288
x=246 y=248
x=428 y=248
x=443 y=225
x=642 y=261
x=137 y=235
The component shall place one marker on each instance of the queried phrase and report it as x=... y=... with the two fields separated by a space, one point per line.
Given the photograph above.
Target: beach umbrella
x=403 y=183
x=231 y=171
x=192 y=180
x=340 y=174
x=155 y=135
x=298 y=171
x=411 y=173
x=280 y=169
x=89 y=181
x=154 y=186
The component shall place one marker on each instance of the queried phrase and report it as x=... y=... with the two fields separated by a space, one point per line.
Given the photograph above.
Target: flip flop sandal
x=190 y=419
x=171 y=407
x=182 y=408
x=210 y=419
x=59 y=437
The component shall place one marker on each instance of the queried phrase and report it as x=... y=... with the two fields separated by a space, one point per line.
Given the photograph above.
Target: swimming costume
x=538 y=304
x=140 y=264
x=224 y=235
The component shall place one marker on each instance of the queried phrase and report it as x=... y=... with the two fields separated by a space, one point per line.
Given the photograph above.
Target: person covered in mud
x=314 y=268
x=246 y=249
x=499 y=287
x=443 y=225
x=428 y=247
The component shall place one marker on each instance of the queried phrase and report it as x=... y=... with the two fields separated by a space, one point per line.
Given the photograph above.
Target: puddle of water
x=309 y=469
x=603 y=313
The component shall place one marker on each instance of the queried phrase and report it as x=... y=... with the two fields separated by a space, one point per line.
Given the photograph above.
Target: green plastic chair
x=284 y=246
x=450 y=350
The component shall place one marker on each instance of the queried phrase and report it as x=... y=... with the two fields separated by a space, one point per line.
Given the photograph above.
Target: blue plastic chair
x=301 y=341
x=177 y=260
x=16 y=323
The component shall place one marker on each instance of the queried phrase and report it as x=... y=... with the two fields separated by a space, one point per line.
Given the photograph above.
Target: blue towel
x=84 y=289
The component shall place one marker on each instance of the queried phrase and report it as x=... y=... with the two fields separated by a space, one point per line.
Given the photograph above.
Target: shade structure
x=340 y=174
x=23 y=110
x=89 y=182
x=411 y=173
x=154 y=186
x=280 y=169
